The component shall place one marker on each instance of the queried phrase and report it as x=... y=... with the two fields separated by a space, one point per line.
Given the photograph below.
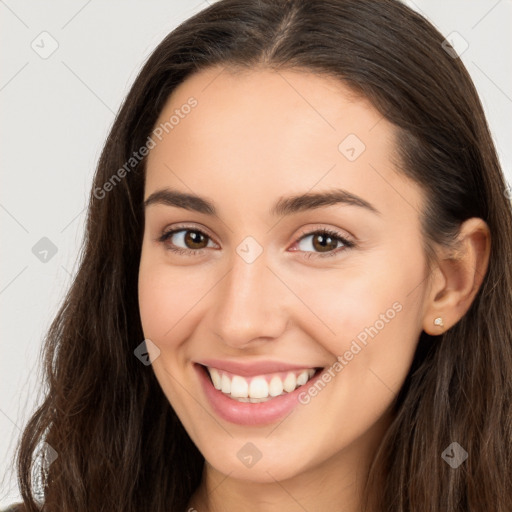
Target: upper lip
x=250 y=369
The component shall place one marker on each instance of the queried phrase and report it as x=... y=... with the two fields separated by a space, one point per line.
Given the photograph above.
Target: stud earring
x=439 y=321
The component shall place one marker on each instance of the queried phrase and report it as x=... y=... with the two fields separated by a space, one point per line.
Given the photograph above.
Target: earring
x=439 y=321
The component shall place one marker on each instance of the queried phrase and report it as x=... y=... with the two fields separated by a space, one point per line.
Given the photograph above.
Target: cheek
x=172 y=303
x=158 y=307
x=369 y=311
x=165 y=296
x=164 y=300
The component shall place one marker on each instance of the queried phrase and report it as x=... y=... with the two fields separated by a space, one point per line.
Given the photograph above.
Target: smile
x=259 y=388
x=253 y=394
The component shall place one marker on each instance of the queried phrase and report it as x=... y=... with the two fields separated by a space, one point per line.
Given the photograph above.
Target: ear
x=457 y=277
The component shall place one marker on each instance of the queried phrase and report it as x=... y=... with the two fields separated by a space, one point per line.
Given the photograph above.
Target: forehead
x=261 y=133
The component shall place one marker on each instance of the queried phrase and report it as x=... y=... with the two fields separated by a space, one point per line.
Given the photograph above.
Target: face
x=281 y=327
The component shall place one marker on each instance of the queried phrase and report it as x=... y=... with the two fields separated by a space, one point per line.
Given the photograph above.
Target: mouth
x=258 y=388
x=256 y=395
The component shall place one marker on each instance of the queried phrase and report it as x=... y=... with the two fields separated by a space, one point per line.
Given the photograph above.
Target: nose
x=252 y=305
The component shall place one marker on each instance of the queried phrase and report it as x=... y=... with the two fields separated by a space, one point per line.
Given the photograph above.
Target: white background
x=56 y=114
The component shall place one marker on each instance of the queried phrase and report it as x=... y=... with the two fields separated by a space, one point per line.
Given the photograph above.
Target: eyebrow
x=284 y=206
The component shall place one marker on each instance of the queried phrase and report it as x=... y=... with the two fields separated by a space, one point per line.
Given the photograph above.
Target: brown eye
x=185 y=240
x=195 y=239
x=320 y=241
x=323 y=243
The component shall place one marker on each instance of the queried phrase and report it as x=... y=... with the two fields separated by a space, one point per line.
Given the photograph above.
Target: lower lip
x=246 y=413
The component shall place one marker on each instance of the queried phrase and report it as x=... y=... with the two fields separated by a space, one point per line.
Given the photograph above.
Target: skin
x=254 y=137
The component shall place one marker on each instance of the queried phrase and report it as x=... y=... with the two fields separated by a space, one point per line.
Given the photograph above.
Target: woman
x=295 y=289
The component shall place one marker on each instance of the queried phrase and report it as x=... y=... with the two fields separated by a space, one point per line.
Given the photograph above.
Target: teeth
x=290 y=383
x=258 y=400
x=252 y=400
x=258 y=389
x=225 y=384
x=239 y=387
x=275 y=387
x=217 y=381
x=302 y=378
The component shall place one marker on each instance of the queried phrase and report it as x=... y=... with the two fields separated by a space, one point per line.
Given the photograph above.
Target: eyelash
x=348 y=244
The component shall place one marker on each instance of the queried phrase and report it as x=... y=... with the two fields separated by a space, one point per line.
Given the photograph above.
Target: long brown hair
x=119 y=444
